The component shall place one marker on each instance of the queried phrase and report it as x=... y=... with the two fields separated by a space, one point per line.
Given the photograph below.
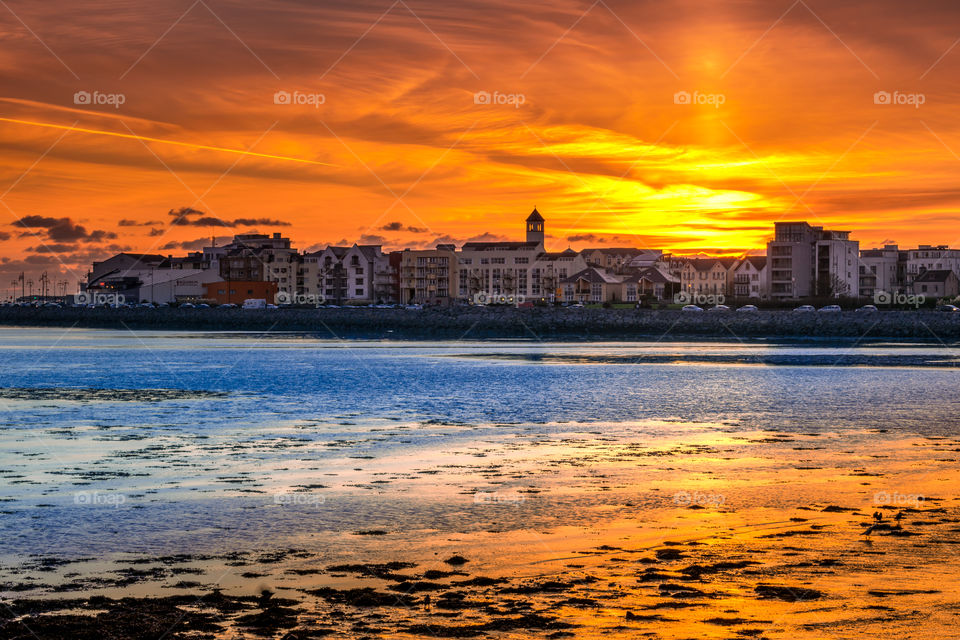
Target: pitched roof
x=654 y=275
x=535 y=216
x=727 y=262
x=496 y=246
x=618 y=250
x=553 y=255
x=594 y=275
x=143 y=257
x=703 y=264
x=758 y=262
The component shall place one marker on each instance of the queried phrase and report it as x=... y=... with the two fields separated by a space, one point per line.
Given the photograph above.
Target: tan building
x=428 y=276
x=518 y=270
x=750 y=278
x=704 y=277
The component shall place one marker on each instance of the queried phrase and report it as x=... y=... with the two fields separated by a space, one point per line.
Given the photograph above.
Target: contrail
x=160 y=140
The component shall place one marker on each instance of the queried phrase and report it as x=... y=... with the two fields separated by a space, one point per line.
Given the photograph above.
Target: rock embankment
x=554 y=323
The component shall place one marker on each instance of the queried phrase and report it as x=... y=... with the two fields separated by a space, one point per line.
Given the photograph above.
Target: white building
x=811 y=261
x=504 y=269
x=930 y=258
x=750 y=278
x=360 y=274
x=881 y=270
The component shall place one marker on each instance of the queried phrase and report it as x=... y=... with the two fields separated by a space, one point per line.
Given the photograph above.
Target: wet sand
x=653 y=530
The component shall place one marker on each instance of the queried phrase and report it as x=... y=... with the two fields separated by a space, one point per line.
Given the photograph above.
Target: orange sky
x=400 y=153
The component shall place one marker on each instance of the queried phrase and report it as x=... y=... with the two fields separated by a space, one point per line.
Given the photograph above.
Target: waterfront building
x=936 y=284
x=810 y=261
x=427 y=276
x=751 y=278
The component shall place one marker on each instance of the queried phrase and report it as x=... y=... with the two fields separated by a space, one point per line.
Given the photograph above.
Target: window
x=359 y=281
x=521 y=261
x=498 y=260
x=359 y=292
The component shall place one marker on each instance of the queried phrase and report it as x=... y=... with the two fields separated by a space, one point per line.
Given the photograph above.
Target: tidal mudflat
x=284 y=486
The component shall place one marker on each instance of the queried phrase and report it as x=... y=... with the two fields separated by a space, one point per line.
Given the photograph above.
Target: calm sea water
x=306 y=414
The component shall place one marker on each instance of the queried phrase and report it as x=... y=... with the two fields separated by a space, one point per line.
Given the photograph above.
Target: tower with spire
x=535 y=226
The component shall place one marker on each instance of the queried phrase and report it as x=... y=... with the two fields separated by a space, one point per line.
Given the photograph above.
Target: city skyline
x=676 y=127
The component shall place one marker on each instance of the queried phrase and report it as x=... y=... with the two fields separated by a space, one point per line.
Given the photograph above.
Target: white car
x=867 y=308
x=691 y=307
x=805 y=308
x=719 y=307
x=831 y=308
x=748 y=308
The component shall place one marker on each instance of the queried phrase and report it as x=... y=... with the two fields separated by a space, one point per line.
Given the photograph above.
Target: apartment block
x=428 y=276
x=810 y=261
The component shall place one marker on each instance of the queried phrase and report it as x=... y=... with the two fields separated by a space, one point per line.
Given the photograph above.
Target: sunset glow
x=681 y=126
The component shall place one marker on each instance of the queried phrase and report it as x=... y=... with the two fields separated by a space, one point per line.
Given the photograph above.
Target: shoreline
x=484 y=323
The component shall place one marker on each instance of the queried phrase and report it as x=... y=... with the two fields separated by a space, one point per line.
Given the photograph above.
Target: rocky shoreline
x=472 y=323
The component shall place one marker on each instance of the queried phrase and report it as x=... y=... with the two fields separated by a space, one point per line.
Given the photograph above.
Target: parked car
x=229 y=305
x=254 y=303
x=577 y=305
x=203 y=305
x=867 y=308
x=831 y=308
x=188 y=305
x=948 y=308
x=748 y=308
x=719 y=307
x=805 y=308
x=691 y=307
x=272 y=306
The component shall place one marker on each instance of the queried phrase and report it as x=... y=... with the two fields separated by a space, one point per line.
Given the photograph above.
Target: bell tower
x=535 y=227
